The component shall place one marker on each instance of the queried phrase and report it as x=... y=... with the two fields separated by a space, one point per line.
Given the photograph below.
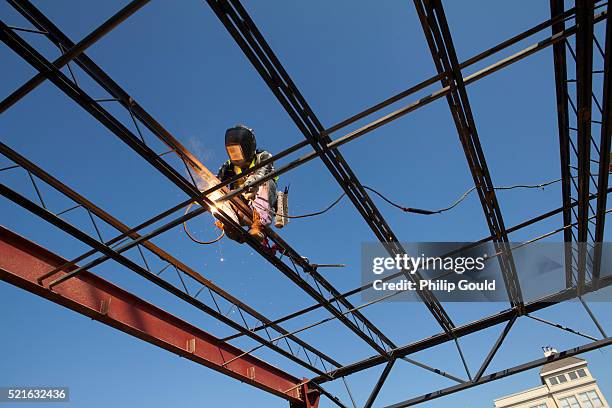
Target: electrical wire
x=332 y=205
x=409 y=209
x=194 y=239
x=467 y=193
x=383 y=197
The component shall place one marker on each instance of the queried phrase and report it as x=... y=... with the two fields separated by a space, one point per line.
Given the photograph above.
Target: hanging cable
x=465 y=195
x=410 y=209
x=379 y=194
x=332 y=205
x=194 y=239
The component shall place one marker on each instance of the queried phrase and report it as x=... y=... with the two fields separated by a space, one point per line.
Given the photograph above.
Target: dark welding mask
x=240 y=145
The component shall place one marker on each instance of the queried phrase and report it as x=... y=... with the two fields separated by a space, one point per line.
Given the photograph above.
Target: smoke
x=203 y=155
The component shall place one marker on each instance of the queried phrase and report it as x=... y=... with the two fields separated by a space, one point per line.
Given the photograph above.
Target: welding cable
x=194 y=239
x=313 y=214
x=415 y=210
x=460 y=199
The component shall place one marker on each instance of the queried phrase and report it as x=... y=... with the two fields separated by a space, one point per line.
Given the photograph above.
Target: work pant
x=265 y=201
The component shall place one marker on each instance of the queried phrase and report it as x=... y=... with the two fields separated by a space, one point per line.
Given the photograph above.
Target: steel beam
x=163 y=255
x=74 y=50
x=465 y=64
x=604 y=156
x=368 y=285
x=464 y=330
x=115 y=254
x=94 y=108
x=495 y=348
x=379 y=384
x=433 y=20
x=442 y=92
x=22 y=262
x=505 y=373
x=560 y=67
x=584 y=89
x=235 y=9
x=246 y=34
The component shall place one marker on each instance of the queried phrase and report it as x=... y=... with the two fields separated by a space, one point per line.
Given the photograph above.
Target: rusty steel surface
x=23 y=261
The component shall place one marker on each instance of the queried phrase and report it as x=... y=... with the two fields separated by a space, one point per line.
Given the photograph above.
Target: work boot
x=256 y=227
x=230 y=232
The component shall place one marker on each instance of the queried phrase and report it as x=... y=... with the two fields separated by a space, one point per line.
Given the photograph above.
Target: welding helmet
x=240 y=145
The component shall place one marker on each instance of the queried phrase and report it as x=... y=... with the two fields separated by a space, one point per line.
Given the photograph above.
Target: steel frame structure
x=64 y=282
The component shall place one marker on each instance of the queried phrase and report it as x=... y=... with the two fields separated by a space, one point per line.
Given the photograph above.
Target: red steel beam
x=22 y=262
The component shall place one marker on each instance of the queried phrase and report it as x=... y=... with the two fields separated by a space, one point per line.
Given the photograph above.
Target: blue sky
x=180 y=64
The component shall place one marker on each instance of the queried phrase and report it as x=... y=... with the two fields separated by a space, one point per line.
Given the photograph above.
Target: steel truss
x=57 y=279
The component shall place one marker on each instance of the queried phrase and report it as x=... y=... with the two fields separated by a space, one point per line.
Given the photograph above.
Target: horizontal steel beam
x=102 y=115
x=74 y=50
x=114 y=222
x=244 y=31
x=22 y=262
x=505 y=373
x=465 y=64
x=434 y=96
x=116 y=255
x=464 y=330
x=368 y=285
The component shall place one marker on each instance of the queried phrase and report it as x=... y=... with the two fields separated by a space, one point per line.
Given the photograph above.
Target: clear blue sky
x=178 y=62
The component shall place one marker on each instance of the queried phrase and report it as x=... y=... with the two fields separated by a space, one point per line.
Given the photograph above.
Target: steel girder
x=604 y=157
x=433 y=20
x=23 y=262
x=246 y=34
x=364 y=287
x=595 y=345
x=464 y=330
x=375 y=340
x=116 y=254
x=75 y=50
x=326 y=145
x=163 y=255
x=560 y=68
x=582 y=148
x=584 y=90
x=541 y=45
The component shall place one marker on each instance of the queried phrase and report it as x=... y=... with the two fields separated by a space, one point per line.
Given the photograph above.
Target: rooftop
x=557 y=364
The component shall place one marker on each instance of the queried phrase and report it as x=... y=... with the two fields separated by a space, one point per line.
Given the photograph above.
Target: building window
x=559 y=379
x=590 y=399
x=569 y=402
x=572 y=375
x=540 y=406
x=581 y=373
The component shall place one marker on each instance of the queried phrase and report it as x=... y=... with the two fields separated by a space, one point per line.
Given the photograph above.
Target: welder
x=241 y=147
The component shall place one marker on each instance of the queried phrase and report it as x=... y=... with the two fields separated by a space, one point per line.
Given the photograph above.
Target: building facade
x=566 y=383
